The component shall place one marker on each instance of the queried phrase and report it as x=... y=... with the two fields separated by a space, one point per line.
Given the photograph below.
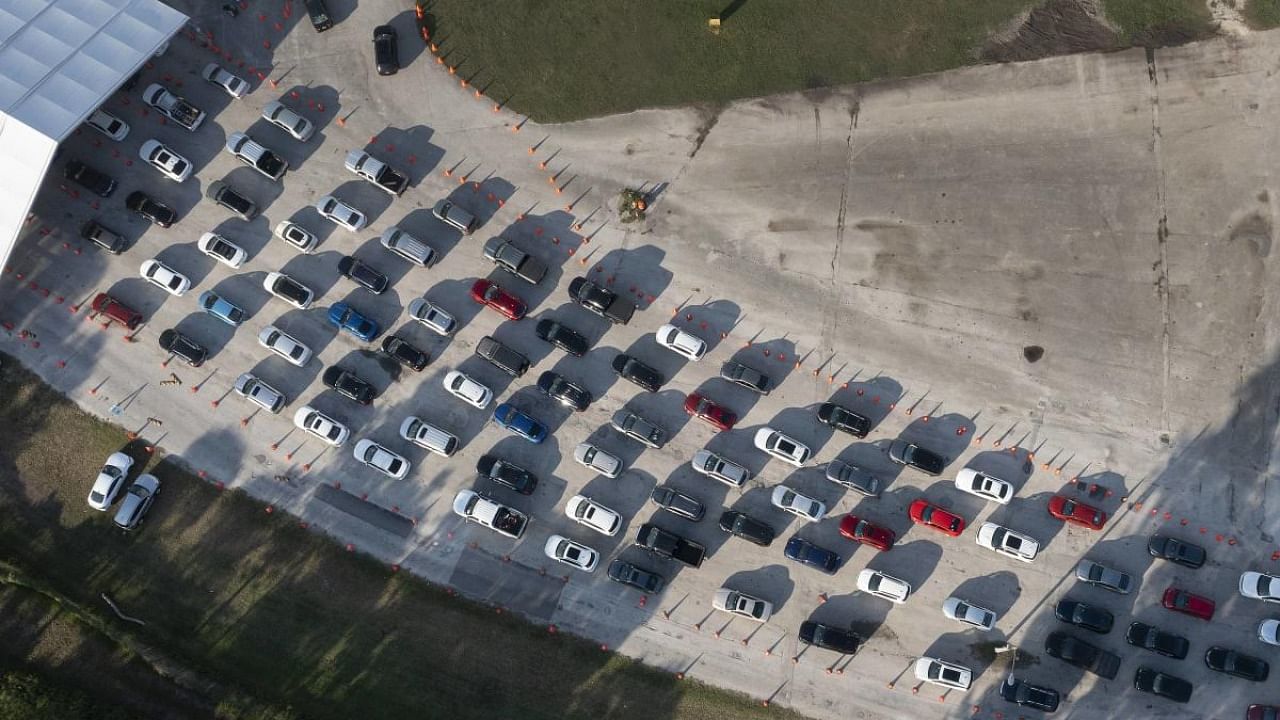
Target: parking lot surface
x=1046 y=271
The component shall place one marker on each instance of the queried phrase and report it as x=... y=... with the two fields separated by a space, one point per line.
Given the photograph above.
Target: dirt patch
x=1058 y=27
x=1255 y=230
x=1032 y=353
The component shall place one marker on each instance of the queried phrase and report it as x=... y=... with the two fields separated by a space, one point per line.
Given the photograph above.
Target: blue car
x=218 y=307
x=806 y=553
x=507 y=416
x=345 y=317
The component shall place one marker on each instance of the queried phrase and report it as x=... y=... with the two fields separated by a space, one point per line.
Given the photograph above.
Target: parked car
x=507 y=474
x=1081 y=654
x=284 y=345
x=104 y=237
x=164 y=277
x=341 y=214
x=678 y=503
x=1104 y=577
x=386 y=50
x=1168 y=687
x=109 y=481
x=380 y=458
x=289 y=290
x=713 y=414
x=1090 y=617
x=258 y=392
x=296 y=236
x=742 y=604
x=298 y=127
x=433 y=316
x=376 y=172
x=782 y=447
x=632 y=370
x=865 y=532
x=153 y=211
x=405 y=353
x=829 y=637
x=115 y=311
x=506 y=416
x=353 y=322
x=1016 y=545
x=594 y=458
x=602 y=302
x=585 y=511
x=884 y=586
x=1076 y=513
x=1150 y=637
x=474 y=507
x=490 y=294
x=717 y=467
x=183 y=347
x=808 y=553
x=941 y=672
x=108 y=124
x=1197 y=606
x=1269 y=632
x=637 y=428
x=97 y=182
x=254 y=154
x=1024 y=694
x=228 y=197
x=573 y=554
x=1176 y=551
x=1263 y=712
x=968 y=613
x=348 y=384
x=362 y=274
x=747 y=377
x=636 y=577
x=502 y=357
x=1257 y=586
x=562 y=337
x=505 y=255
x=407 y=247
x=851 y=476
x=681 y=342
x=746 y=527
x=166 y=160
x=174 y=107
x=556 y=387
x=922 y=512
x=318 y=14
x=844 y=420
x=912 y=455
x=468 y=390
x=450 y=214
x=316 y=423
x=428 y=436
x=222 y=250
x=137 y=501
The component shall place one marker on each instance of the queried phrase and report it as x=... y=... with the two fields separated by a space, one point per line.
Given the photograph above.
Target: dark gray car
x=1176 y=551
x=678 y=503
x=926 y=461
x=853 y=477
x=748 y=528
x=502 y=253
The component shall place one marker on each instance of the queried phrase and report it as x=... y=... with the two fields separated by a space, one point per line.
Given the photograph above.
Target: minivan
x=319 y=15
x=407 y=246
x=503 y=357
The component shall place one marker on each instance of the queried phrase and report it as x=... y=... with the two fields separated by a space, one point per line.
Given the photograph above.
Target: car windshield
x=1264 y=585
x=222 y=248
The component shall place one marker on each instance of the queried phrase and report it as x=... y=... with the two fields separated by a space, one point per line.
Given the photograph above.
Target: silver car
x=137 y=501
x=853 y=477
x=249 y=387
x=596 y=459
x=432 y=315
x=287 y=120
x=1104 y=577
x=714 y=466
x=637 y=428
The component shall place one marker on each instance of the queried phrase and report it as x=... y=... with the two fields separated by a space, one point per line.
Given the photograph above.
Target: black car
x=827 y=637
x=678 y=503
x=844 y=420
x=1237 y=664
x=231 y=199
x=1166 y=686
x=926 y=461
x=747 y=528
x=362 y=274
x=554 y=386
x=1089 y=617
x=318 y=14
x=152 y=210
x=750 y=378
x=506 y=474
x=104 y=237
x=562 y=337
x=639 y=578
x=806 y=553
x=1023 y=693
x=1077 y=652
x=183 y=347
x=98 y=182
x=386 y=53
x=404 y=353
x=1149 y=637
x=348 y=384
x=629 y=368
x=1176 y=551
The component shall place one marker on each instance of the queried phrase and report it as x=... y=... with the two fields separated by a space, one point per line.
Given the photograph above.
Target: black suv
x=506 y=474
x=844 y=420
x=502 y=357
x=1176 y=551
x=845 y=642
x=639 y=578
x=1089 y=617
x=226 y=196
x=98 y=182
x=1236 y=664
x=1023 y=693
x=562 y=337
x=1149 y=637
x=556 y=387
x=184 y=347
x=678 y=503
x=747 y=528
x=362 y=274
x=629 y=368
x=348 y=384
x=319 y=15
x=386 y=53
x=926 y=461
x=404 y=353
x=1166 y=686
x=153 y=210
x=104 y=237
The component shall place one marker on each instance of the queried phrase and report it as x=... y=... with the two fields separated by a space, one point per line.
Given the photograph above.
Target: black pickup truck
x=669 y=545
x=604 y=303
x=1083 y=655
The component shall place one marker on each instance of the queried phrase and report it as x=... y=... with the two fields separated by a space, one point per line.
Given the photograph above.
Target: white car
x=164 y=277
x=108 y=124
x=739 y=603
x=298 y=127
x=222 y=250
x=289 y=290
x=428 y=436
x=314 y=422
x=340 y=213
x=979 y=617
x=234 y=86
x=1269 y=631
x=941 y=672
x=802 y=506
x=1008 y=542
x=594 y=458
x=585 y=511
x=169 y=163
x=886 y=586
x=249 y=387
x=461 y=385
x=714 y=466
x=433 y=316
x=378 y=457
x=782 y=447
x=1257 y=586
x=110 y=481
x=296 y=236
x=284 y=345
x=984 y=486
x=570 y=553
x=680 y=342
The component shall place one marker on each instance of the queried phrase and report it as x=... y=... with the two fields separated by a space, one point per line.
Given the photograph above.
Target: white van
x=407 y=246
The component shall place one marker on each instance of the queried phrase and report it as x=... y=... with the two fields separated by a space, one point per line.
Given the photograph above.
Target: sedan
x=678 y=503
x=169 y=163
x=407 y=355
x=844 y=420
x=592 y=457
x=637 y=428
x=682 y=343
x=314 y=422
x=181 y=346
x=1008 y=542
x=284 y=345
x=562 y=337
x=108 y=124
x=1024 y=694
x=884 y=586
x=296 y=236
x=341 y=214
x=740 y=603
x=828 y=637
x=490 y=294
x=754 y=531
x=585 y=511
x=922 y=512
x=575 y=555
x=1104 y=577
x=222 y=250
x=851 y=476
x=636 y=577
x=141 y=494
x=807 y=553
x=362 y=274
x=941 y=672
x=348 y=384
x=289 y=290
x=1158 y=683
x=508 y=417
x=469 y=391
x=104 y=237
x=109 y=481
x=507 y=474
x=98 y=182
x=968 y=613
x=782 y=447
x=381 y=459
x=1263 y=712
x=984 y=486
x=1187 y=603
x=714 y=466
x=634 y=371
x=1257 y=586
x=298 y=127
x=556 y=387
x=1269 y=631
x=151 y=210
x=747 y=377
x=349 y=320
x=1176 y=551
x=1076 y=513
x=862 y=531
x=433 y=316
x=112 y=310
x=715 y=415
x=1149 y=637
x=1089 y=617
x=232 y=85
x=259 y=393
x=164 y=277
x=802 y=506
x=386 y=53
x=912 y=455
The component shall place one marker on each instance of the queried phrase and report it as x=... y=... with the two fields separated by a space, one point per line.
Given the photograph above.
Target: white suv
x=680 y=342
x=469 y=391
x=428 y=436
x=341 y=214
x=885 y=586
x=571 y=553
x=585 y=511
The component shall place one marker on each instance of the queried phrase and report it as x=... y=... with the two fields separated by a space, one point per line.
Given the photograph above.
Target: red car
x=859 y=530
x=922 y=513
x=1188 y=603
x=1076 y=513
x=115 y=310
x=1263 y=712
x=704 y=409
x=487 y=292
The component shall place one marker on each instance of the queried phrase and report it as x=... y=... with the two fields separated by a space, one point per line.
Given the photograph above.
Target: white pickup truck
x=476 y=508
x=377 y=172
x=173 y=107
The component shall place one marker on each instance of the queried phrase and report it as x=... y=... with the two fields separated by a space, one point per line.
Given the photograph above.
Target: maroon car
x=487 y=292
x=703 y=409
x=1188 y=603
x=116 y=311
x=867 y=533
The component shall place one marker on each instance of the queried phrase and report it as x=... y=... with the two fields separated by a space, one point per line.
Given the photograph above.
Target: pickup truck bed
x=377 y=172
x=669 y=545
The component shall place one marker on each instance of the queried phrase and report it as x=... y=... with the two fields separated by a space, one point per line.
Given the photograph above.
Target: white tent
x=59 y=60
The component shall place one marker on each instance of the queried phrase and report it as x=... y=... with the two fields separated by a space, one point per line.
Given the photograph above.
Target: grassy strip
x=284 y=615
x=1262 y=14
x=1154 y=23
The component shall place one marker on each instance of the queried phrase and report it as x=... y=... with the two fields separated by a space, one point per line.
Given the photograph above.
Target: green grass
x=1159 y=22
x=281 y=615
x=1262 y=14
